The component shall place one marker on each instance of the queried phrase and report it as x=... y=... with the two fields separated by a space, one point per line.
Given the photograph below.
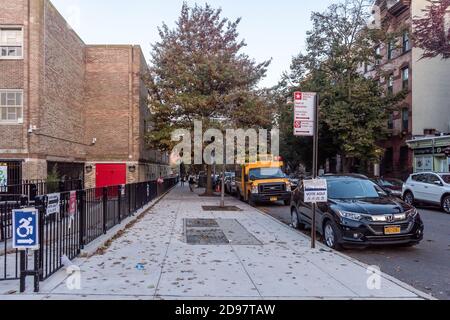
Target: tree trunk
x=209 y=188
x=346 y=164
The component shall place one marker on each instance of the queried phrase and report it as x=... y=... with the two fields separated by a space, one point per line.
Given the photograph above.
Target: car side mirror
x=438 y=183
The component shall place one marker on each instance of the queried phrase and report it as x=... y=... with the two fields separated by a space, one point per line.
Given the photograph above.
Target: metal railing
x=33 y=188
x=66 y=232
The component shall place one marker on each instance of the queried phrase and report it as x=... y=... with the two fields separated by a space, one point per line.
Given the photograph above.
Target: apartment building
x=426 y=107
x=69 y=107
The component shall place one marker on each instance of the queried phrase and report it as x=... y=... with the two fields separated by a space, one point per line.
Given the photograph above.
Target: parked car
x=359 y=213
x=428 y=187
x=392 y=186
x=230 y=185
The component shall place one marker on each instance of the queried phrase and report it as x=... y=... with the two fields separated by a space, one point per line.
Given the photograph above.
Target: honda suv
x=428 y=187
x=359 y=213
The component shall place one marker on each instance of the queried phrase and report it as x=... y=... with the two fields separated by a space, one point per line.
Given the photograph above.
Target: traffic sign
x=304 y=113
x=25 y=229
x=316 y=190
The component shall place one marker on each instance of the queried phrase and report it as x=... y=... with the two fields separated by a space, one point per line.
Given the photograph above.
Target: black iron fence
x=9 y=258
x=66 y=232
x=33 y=188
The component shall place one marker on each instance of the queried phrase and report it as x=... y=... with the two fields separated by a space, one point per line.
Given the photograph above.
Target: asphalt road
x=425 y=266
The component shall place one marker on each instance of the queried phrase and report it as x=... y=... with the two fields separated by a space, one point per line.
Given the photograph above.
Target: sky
x=271 y=29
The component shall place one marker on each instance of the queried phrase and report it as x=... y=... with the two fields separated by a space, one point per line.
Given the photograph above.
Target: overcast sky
x=272 y=29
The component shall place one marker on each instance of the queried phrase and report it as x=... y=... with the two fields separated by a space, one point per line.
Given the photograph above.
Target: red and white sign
x=72 y=203
x=304 y=113
x=297 y=96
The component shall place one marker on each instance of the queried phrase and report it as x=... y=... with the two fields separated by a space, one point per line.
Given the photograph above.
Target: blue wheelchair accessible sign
x=26 y=229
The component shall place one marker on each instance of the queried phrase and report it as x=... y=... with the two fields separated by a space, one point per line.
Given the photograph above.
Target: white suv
x=428 y=187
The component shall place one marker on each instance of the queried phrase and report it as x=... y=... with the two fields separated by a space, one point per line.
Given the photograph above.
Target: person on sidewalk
x=182 y=181
x=191 y=182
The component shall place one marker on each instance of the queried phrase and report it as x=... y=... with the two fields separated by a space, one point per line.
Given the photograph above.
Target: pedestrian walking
x=182 y=181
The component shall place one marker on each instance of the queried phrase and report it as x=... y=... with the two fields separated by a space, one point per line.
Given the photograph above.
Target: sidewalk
x=264 y=260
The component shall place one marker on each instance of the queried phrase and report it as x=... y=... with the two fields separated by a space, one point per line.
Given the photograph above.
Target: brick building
x=79 y=107
x=426 y=108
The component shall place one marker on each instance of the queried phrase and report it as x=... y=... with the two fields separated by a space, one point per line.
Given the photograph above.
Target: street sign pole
x=315 y=165
x=306 y=124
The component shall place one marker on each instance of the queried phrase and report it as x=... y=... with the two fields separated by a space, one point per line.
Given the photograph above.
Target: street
x=426 y=266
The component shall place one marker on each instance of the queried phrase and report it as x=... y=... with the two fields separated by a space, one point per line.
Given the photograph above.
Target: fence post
x=119 y=201
x=82 y=209
x=105 y=208
x=40 y=204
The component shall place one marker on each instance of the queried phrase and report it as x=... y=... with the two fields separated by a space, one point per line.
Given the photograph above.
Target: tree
x=432 y=30
x=198 y=72
x=354 y=108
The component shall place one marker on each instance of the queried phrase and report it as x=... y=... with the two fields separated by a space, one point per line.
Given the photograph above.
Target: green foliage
x=354 y=108
x=53 y=180
x=198 y=72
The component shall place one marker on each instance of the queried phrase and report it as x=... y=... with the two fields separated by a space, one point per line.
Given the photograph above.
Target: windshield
x=266 y=173
x=354 y=189
x=446 y=178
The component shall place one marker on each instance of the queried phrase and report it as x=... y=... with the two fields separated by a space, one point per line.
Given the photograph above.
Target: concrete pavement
x=265 y=259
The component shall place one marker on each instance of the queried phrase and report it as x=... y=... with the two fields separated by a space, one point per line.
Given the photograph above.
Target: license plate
x=273 y=199
x=392 y=230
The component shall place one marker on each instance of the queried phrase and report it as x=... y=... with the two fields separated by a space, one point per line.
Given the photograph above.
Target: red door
x=110 y=175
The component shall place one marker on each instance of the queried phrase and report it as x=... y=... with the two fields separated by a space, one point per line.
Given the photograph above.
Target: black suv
x=359 y=213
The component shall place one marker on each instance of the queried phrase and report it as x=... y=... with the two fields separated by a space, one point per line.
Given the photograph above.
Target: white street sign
x=25 y=224
x=53 y=201
x=316 y=190
x=304 y=113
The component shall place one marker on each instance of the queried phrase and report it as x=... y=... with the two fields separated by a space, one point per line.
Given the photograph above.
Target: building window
x=391 y=121
x=11 y=106
x=406 y=42
x=405 y=78
x=405 y=119
x=391 y=48
x=11 y=43
x=390 y=84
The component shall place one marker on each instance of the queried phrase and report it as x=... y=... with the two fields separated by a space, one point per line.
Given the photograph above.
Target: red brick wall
x=62 y=116
x=72 y=94
x=12 y=76
x=108 y=102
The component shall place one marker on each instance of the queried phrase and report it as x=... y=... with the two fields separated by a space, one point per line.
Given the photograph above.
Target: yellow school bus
x=263 y=181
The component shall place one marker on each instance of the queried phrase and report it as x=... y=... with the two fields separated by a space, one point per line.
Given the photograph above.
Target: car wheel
x=408 y=198
x=331 y=235
x=446 y=204
x=295 y=220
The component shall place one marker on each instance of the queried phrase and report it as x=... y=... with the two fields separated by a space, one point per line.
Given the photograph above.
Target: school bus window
x=266 y=173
